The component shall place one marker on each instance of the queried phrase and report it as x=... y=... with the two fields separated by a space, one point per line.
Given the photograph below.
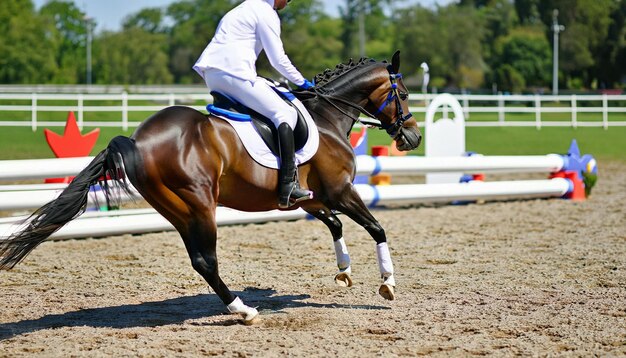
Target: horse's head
x=389 y=103
x=371 y=88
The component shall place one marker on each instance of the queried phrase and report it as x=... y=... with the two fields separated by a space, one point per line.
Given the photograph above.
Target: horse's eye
x=404 y=96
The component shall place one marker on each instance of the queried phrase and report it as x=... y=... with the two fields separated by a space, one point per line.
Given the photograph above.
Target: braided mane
x=329 y=75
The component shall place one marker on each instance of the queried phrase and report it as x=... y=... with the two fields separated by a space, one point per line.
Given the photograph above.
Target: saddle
x=231 y=109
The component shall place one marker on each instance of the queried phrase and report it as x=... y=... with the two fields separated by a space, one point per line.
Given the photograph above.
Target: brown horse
x=185 y=164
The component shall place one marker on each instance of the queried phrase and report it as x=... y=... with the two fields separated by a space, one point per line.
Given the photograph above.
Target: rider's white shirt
x=240 y=37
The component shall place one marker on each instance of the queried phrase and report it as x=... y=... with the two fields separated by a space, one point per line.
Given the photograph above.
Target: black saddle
x=264 y=126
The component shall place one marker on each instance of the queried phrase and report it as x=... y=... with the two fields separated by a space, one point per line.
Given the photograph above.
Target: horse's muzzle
x=408 y=138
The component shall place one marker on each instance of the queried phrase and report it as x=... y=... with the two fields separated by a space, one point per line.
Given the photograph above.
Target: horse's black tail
x=109 y=164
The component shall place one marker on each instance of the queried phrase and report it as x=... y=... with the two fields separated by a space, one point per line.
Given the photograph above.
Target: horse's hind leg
x=326 y=216
x=193 y=216
x=200 y=239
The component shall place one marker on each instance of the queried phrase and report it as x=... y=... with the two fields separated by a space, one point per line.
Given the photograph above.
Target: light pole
x=89 y=27
x=556 y=28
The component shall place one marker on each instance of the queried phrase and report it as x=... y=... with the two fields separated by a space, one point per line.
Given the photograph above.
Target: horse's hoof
x=252 y=321
x=251 y=317
x=343 y=279
x=387 y=291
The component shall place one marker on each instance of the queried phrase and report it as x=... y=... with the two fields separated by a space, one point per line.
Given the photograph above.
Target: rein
x=330 y=99
x=392 y=96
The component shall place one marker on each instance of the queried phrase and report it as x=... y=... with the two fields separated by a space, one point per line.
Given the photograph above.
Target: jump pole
x=147 y=220
x=414 y=165
x=366 y=165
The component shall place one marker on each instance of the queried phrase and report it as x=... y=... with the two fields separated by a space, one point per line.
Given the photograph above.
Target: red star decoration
x=72 y=143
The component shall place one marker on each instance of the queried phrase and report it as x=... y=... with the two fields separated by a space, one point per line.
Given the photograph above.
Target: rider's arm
x=269 y=33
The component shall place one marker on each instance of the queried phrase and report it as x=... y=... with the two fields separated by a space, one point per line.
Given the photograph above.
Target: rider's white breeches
x=256 y=95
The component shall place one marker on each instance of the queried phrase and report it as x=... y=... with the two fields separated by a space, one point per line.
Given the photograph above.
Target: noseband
x=392 y=96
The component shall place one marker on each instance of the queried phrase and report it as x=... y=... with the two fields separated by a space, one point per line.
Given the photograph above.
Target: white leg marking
x=384 y=260
x=341 y=251
x=342 y=278
x=248 y=313
x=386 y=272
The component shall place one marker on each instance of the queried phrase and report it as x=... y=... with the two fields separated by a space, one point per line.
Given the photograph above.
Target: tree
x=448 y=39
x=525 y=53
x=28 y=53
x=195 y=22
x=509 y=79
x=417 y=40
x=149 y=20
x=528 y=11
x=67 y=31
x=133 y=56
x=587 y=25
x=611 y=68
x=311 y=38
x=499 y=18
x=378 y=28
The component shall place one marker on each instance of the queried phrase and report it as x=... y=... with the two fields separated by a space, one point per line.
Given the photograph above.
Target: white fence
x=480 y=110
x=568 y=108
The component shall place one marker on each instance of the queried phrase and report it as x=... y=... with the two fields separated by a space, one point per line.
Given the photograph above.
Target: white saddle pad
x=259 y=151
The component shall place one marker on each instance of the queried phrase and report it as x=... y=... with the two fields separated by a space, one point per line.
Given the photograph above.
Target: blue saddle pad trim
x=239 y=117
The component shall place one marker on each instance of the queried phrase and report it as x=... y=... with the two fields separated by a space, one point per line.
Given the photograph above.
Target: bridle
x=393 y=95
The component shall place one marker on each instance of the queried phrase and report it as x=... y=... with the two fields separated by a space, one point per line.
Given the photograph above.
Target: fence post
x=605 y=111
x=81 y=111
x=172 y=99
x=33 y=117
x=574 y=112
x=501 y=108
x=537 y=111
x=124 y=111
x=466 y=105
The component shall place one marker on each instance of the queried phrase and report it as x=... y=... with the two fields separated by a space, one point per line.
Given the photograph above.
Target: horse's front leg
x=349 y=202
x=325 y=215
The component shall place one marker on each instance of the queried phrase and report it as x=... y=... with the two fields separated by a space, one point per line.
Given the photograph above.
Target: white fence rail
x=27 y=109
x=597 y=110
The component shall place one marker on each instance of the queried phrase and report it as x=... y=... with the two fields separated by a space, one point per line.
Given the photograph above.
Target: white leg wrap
x=384 y=260
x=237 y=306
x=341 y=251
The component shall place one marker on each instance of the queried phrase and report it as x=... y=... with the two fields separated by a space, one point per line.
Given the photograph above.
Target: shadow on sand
x=166 y=312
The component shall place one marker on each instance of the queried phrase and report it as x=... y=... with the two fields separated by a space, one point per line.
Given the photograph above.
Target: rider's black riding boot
x=289 y=191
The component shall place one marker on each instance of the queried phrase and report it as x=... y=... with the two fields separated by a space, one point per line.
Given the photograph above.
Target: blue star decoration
x=586 y=166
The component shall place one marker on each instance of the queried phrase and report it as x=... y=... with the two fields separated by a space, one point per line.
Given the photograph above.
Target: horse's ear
x=395 y=62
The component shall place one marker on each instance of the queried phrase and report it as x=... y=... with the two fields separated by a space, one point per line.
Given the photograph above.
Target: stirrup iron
x=295 y=195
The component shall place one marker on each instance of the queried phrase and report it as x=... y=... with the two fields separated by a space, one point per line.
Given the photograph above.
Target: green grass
x=22 y=143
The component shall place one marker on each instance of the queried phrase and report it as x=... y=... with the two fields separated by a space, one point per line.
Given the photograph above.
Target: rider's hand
x=306 y=85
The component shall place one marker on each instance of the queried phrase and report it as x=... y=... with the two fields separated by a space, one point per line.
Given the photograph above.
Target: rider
x=228 y=66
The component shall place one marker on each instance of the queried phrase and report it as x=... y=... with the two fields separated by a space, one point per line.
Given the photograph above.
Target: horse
x=184 y=163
